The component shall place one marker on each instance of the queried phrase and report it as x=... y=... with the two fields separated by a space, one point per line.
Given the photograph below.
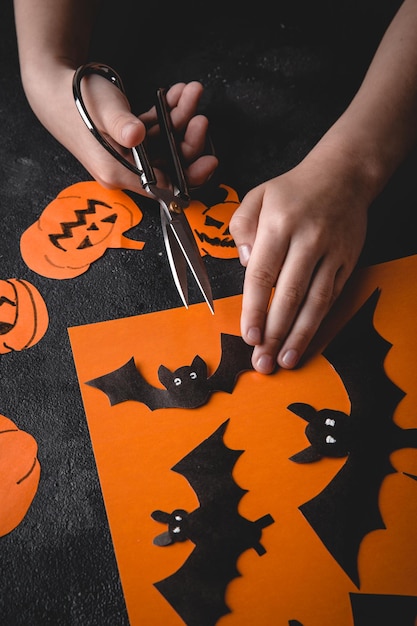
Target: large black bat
x=220 y=534
x=368 y=609
x=347 y=509
x=187 y=387
x=382 y=609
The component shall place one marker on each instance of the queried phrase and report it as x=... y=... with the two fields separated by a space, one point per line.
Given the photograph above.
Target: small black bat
x=187 y=387
x=347 y=508
x=220 y=534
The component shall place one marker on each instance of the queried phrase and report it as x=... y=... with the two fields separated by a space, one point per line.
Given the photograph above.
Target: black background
x=274 y=83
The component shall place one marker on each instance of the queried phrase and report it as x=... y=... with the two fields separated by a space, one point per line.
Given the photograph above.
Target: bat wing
x=235 y=359
x=347 y=509
x=220 y=534
x=357 y=354
x=127 y=383
x=383 y=609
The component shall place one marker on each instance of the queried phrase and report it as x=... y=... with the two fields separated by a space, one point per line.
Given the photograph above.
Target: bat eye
x=330 y=422
x=177 y=382
x=193 y=375
x=330 y=439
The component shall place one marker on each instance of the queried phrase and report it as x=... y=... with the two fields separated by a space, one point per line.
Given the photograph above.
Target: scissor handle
x=166 y=130
x=142 y=166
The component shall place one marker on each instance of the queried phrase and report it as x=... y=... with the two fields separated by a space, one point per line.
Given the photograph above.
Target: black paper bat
x=369 y=609
x=382 y=609
x=347 y=509
x=220 y=534
x=187 y=387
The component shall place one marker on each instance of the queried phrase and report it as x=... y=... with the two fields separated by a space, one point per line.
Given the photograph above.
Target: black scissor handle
x=143 y=168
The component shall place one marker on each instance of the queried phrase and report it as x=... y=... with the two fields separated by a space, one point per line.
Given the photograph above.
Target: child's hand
x=111 y=112
x=300 y=234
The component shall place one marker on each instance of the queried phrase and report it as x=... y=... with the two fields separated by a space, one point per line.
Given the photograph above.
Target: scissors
x=181 y=247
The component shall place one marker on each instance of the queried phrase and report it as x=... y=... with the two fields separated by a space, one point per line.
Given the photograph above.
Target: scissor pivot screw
x=174 y=207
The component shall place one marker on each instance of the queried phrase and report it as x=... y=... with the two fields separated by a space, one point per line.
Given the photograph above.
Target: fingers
x=303 y=295
x=112 y=116
x=296 y=266
x=244 y=223
x=183 y=100
x=110 y=109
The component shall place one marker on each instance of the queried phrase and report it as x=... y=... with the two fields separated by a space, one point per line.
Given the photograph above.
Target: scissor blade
x=176 y=259
x=189 y=249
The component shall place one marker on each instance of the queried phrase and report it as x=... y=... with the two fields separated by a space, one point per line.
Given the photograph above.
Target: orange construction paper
x=77 y=228
x=135 y=449
x=19 y=474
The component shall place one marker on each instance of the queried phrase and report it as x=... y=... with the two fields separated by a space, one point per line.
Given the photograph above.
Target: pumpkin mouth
x=216 y=241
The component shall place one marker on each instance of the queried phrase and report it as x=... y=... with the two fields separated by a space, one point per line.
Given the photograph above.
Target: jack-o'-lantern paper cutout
x=188 y=386
x=77 y=228
x=297 y=580
x=19 y=474
x=216 y=528
x=24 y=317
x=210 y=223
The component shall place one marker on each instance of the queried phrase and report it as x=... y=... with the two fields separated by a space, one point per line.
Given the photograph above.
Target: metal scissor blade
x=185 y=238
x=176 y=259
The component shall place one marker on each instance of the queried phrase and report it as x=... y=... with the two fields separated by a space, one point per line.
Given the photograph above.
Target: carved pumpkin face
x=76 y=229
x=19 y=474
x=210 y=225
x=23 y=315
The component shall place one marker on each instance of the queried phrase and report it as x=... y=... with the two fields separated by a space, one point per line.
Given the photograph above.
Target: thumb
x=111 y=111
x=244 y=223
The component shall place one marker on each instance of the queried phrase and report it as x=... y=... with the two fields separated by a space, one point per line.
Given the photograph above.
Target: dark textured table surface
x=272 y=89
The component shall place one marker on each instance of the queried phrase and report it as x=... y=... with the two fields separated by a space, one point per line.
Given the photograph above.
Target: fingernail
x=244 y=254
x=254 y=335
x=265 y=364
x=290 y=358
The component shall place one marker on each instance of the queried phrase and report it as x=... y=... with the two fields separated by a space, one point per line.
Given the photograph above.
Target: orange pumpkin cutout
x=296 y=580
x=210 y=225
x=19 y=474
x=77 y=228
x=24 y=317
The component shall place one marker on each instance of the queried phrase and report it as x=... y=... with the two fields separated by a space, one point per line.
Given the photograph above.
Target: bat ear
x=199 y=365
x=306 y=411
x=308 y=455
x=161 y=516
x=164 y=375
x=164 y=539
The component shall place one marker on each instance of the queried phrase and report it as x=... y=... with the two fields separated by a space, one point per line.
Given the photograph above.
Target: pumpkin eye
x=210 y=221
x=111 y=219
x=193 y=375
x=177 y=382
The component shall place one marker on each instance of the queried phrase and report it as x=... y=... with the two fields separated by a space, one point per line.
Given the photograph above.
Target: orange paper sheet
x=135 y=449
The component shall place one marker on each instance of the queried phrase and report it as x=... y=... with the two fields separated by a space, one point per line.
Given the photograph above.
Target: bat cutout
x=383 y=609
x=347 y=508
x=220 y=534
x=187 y=387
